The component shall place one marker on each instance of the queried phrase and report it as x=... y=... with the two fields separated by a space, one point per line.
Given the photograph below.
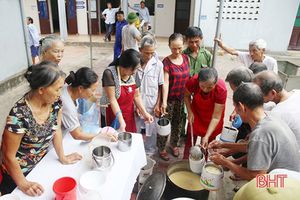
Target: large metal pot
x=159 y=185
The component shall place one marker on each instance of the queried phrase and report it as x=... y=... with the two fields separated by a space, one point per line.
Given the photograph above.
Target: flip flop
x=164 y=156
x=175 y=151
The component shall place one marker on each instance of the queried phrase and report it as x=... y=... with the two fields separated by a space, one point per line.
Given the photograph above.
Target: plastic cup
x=65 y=188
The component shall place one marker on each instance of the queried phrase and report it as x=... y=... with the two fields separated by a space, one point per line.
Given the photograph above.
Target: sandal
x=164 y=156
x=175 y=151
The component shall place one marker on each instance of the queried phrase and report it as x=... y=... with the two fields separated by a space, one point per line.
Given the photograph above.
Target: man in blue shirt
x=119 y=25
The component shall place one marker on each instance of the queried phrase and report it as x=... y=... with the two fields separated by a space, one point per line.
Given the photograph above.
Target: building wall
x=136 y=3
x=164 y=17
x=31 y=10
x=274 y=24
x=13 y=57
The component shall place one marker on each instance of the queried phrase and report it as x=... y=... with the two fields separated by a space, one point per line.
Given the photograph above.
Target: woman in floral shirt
x=33 y=123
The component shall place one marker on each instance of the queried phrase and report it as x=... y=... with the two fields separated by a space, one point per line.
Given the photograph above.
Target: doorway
x=55 y=18
x=44 y=16
x=182 y=15
x=71 y=16
x=114 y=3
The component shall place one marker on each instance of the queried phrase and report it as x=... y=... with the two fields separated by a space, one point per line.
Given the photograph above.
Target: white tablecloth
x=120 y=178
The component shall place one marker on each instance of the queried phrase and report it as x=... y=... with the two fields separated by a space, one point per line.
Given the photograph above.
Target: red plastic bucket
x=65 y=188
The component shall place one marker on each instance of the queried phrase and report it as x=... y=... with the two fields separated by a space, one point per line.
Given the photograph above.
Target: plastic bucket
x=196 y=165
x=163 y=127
x=228 y=134
x=65 y=188
x=212 y=176
x=146 y=171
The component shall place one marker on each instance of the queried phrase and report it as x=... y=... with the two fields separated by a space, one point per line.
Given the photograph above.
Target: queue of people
x=138 y=89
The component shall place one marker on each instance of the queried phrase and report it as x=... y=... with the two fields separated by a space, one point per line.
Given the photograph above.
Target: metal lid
x=153 y=188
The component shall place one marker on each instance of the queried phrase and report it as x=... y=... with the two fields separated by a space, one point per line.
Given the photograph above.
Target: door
x=94 y=16
x=182 y=15
x=295 y=37
x=71 y=16
x=44 y=16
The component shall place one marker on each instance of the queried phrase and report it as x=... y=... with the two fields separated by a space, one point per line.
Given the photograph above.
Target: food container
x=124 y=141
x=228 y=134
x=163 y=126
x=212 y=176
x=146 y=171
x=91 y=181
x=102 y=157
x=65 y=188
x=165 y=186
x=196 y=165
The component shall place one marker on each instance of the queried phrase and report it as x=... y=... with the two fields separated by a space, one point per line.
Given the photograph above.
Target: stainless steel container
x=102 y=157
x=124 y=141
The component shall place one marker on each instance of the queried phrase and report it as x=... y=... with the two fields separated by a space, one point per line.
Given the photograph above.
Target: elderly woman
x=51 y=49
x=151 y=75
x=121 y=92
x=81 y=84
x=256 y=53
x=176 y=73
x=32 y=125
x=205 y=98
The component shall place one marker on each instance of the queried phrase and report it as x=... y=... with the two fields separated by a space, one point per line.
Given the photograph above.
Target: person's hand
x=219 y=41
x=156 y=110
x=215 y=144
x=122 y=127
x=148 y=118
x=204 y=142
x=163 y=109
x=217 y=158
x=71 y=158
x=31 y=188
x=111 y=136
x=232 y=116
x=138 y=112
x=128 y=5
x=191 y=117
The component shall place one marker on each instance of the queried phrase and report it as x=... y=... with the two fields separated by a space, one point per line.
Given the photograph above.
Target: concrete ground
x=77 y=54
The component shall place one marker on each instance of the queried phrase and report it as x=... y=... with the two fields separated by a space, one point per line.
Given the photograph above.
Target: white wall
x=31 y=10
x=82 y=22
x=164 y=18
x=274 y=24
x=13 y=57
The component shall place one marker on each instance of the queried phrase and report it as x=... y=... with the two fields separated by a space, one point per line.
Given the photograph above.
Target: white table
x=120 y=178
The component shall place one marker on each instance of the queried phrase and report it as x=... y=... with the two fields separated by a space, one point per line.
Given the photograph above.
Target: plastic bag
x=115 y=124
x=88 y=116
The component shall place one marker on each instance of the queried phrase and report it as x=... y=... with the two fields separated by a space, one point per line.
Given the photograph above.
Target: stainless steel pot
x=124 y=141
x=102 y=157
